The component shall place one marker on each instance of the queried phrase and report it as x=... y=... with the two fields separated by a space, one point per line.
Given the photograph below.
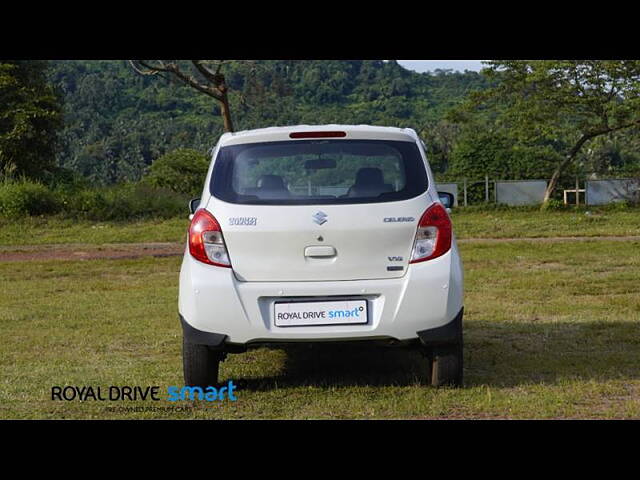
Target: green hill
x=118 y=122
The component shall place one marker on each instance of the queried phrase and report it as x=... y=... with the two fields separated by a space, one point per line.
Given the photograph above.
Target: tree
x=616 y=154
x=440 y=137
x=481 y=149
x=30 y=116
x=212 y=82
x=181 y=170
x=570 y=101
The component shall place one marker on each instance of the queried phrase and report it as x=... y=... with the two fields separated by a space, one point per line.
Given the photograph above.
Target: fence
x=514 y=192
x=600 y=192
x=531 y=192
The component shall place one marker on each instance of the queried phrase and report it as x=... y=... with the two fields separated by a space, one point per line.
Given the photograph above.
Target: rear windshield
x=318 y=172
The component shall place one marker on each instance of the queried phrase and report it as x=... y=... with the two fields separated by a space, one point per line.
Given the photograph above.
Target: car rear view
x=320 y=234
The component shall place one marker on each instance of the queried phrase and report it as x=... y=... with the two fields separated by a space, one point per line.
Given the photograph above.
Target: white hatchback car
x=318 y=234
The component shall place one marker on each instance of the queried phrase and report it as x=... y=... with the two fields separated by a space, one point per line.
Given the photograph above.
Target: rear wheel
x=446 y=366
x=200 y=364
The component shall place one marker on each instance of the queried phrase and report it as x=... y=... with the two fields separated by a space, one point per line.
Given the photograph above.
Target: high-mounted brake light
x=433 y=238
x=317 y=134
x=206 y=243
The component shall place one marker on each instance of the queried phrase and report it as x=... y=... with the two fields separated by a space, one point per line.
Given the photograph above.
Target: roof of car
x=274 y=134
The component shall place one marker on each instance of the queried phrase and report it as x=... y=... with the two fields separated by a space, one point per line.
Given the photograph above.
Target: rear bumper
x=217 y=309
x=199 y=337
x=447 y=334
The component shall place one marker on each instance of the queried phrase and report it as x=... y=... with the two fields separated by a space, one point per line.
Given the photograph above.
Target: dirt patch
x=82 y=251
x=89 y=252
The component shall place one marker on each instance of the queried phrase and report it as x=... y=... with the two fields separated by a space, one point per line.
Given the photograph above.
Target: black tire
x=200 y=364
x=447 y=366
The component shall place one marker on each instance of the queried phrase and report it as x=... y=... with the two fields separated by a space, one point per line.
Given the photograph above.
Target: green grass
x=54 y=230
x=468 y=223
x=556 y=337
x=529 y=222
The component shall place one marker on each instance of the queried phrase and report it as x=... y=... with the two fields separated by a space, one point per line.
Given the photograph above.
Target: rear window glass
x=318 y=172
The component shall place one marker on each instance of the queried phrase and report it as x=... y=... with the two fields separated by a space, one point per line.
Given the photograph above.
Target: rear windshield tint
x=308 y=172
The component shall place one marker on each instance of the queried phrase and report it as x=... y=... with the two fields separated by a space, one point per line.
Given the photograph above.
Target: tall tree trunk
x=226 y=113
x=553 y=183
x=221 y=84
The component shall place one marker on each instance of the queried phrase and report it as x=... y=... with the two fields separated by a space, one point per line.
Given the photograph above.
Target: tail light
x=206 y=243
x=433 y=238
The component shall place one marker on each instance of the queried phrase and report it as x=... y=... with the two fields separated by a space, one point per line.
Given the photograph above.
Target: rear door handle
x=320 y=251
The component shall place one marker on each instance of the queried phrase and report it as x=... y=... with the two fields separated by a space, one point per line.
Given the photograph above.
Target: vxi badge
x=398 y=219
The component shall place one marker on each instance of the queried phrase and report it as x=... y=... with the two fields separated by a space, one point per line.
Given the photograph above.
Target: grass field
x=468 y=223
x=528 y=222
x=48 y=231
x=552 y=330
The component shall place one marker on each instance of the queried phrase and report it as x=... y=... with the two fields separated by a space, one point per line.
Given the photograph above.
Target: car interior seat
x=269 y=186
x=369 y=183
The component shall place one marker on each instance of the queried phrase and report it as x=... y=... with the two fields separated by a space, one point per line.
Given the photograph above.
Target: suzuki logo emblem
x=320 y=218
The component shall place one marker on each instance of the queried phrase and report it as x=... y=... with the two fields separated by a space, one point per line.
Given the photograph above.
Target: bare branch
x=206 y=73
x=150 y=69
x=216 y=77
x=175 y=70
x=215 y=85
x=146 y=71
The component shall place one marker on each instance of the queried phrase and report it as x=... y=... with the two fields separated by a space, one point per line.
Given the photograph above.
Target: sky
x=426 y=65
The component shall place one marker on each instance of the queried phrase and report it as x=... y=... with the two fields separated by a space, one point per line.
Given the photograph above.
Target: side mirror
x=193 y=205
x=447 y=199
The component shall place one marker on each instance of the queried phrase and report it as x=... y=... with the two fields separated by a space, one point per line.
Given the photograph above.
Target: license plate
x=297 y=314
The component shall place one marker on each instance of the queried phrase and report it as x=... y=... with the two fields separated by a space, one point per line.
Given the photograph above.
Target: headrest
x=369 y=176
x=271 y=182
